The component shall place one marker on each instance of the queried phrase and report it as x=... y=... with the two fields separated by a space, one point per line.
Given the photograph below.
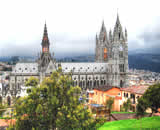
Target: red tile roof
x=7 y=122
x=104 y=88
x=135 y=89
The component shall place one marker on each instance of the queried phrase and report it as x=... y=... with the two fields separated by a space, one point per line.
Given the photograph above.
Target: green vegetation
x=146 y=122
x=6 y=118
x=54 y=104
x=150 y=99
x=109 y=103
x=126 y=106
x=116 y=112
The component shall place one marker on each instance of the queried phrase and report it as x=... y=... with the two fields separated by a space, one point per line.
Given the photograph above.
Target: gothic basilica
x=109 y=69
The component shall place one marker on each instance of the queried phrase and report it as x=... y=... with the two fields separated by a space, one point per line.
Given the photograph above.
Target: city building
x=109 y=69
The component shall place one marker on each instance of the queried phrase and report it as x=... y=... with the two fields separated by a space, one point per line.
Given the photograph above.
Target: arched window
x=101 y=82
x=90 y=83
x=121 y=83
x=0 y=100
x=83 y=83
x=80 y=84
x=105 y=53
x=97 y=82
x=104 y=82
x=87 y=83
x=9 y=100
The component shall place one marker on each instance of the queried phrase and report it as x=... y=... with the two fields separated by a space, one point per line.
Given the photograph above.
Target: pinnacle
x=103 y=28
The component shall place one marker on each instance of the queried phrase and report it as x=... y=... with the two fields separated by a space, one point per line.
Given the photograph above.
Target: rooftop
x=136 y=89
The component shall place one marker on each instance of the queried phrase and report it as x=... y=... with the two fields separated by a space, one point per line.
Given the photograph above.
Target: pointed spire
x=117 y=21
x=96 y=39
x=103 y=32
x=126 y=34
x=103 y=28
x=45 y=39
x=45 y=29
x=110 y=35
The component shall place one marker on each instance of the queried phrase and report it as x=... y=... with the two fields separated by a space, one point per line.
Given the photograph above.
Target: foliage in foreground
x=109 y=103
x=126 y=105
x=146 y=122
x=53 y=104
x=150 y=99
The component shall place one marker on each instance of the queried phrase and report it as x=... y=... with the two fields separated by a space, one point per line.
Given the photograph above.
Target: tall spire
x=45 y=40
x=118 y=21
x=45 y=35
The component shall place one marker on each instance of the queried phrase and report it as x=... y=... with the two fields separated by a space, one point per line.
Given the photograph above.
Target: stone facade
x=109 y=69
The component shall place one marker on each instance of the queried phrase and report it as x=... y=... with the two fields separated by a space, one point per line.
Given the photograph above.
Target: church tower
x=102 y=45
x=45 y=56
x=113 y=49
x=120 y=52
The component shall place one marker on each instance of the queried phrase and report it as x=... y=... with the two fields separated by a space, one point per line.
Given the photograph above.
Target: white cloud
x=71 y=23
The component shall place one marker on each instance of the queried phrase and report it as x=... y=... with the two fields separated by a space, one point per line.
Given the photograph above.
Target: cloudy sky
x=72 y=24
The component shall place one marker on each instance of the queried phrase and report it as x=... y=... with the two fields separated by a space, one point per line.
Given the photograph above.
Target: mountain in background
x=137 y=60
x=142 y=61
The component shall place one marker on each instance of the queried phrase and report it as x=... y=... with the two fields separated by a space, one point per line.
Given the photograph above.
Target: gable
x=51 y=67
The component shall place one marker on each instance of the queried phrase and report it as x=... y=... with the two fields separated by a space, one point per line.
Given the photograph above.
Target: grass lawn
x=115 y=112
x=146 y=122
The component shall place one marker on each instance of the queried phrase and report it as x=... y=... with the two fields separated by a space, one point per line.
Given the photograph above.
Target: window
x=105 y=54
x=104 y=82
x=121 y=83
x=25 y=68
x=121 y=54
x=87 y=83
x=121 y=67
x=101 y=82
x=83 y=83
x=127 y=95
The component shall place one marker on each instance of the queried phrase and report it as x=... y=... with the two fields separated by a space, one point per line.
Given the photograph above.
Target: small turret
x=96 y=40
x=126 y=34
x=103 y=33
x=110 y=35
x=117 y=34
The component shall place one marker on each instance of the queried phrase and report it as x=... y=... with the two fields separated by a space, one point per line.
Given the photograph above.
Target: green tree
x=127 y=105
x=150 y=99
x=109 y=103
x=53 y=104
